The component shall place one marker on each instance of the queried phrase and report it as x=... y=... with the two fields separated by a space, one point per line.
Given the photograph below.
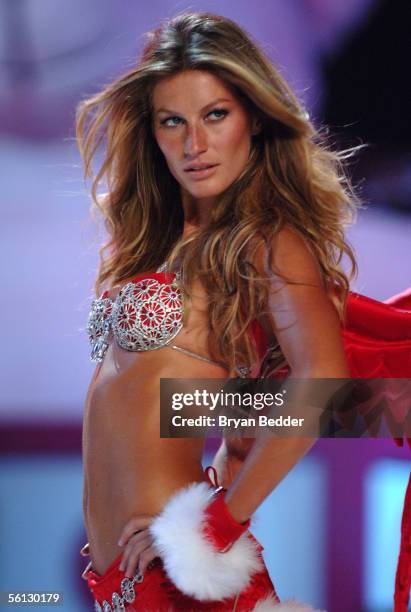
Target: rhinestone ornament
x=145 y=315
x=119 y=602
x=127 y=590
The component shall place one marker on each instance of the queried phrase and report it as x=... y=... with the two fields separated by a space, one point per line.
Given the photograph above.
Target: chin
x=201 y=192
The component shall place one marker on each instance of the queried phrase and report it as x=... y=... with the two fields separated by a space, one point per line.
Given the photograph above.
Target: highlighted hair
x=292 y=178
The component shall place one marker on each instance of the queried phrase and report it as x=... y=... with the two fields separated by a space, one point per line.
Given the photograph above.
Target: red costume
x=157 y=593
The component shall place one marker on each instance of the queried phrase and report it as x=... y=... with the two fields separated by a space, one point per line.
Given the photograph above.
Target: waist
x=111 y=500
x=128 y=468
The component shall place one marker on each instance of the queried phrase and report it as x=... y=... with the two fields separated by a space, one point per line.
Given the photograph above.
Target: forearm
x=268 y=462
x=272 y=457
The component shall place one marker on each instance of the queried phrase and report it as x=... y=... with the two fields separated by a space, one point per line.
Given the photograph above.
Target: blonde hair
x=292 y=178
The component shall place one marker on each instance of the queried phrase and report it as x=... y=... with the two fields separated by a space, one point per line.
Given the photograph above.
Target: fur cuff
x=271 y=605
x=190 y=559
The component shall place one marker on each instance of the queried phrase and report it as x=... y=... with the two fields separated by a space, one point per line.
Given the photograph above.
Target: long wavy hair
x=293 y=177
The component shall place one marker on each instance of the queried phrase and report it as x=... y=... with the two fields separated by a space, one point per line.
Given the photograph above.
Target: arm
x=308 y=330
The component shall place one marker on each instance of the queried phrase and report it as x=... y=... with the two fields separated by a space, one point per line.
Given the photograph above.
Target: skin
x=145 y=470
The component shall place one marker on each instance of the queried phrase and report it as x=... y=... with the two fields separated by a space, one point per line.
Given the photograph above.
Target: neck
x=196 y=212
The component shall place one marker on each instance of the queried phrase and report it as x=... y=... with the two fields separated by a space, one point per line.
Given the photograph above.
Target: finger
x=136 y=539
x=133 y=525
x=136 y=544
x=134 y=557
x=146 y=557
x=131 y=555
x=137 y=523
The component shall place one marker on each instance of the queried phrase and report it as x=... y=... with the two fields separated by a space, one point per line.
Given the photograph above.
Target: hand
x=139 y=548
x=192 y=531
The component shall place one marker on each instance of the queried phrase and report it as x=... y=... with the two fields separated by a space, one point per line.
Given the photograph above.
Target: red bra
x=147 y=314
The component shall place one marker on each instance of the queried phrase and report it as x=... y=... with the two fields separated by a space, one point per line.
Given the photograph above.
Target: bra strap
x=163 y=267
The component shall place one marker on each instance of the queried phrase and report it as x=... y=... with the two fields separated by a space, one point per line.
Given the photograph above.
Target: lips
x=200 y=172
x=199 y=167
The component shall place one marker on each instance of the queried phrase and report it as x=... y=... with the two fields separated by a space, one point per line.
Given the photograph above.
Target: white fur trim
x=271 y=605
x=190 y=559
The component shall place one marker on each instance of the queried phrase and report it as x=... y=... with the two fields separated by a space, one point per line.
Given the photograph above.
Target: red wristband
x=220 y=526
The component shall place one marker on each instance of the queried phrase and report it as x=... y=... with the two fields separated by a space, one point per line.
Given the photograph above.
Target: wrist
x=236 y=512
x=196 y=530
x=220 y=526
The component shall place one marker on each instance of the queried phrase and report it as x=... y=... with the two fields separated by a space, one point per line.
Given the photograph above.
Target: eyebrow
x=167 y=110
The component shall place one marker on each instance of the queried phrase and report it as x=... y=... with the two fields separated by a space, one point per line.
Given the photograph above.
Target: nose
x=195 y=141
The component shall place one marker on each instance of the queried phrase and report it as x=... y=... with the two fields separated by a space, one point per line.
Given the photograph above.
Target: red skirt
x=156 y=592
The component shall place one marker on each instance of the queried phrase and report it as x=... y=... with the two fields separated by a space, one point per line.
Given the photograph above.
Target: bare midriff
x=128 y=469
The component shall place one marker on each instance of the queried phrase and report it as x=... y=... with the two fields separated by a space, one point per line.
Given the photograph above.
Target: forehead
x=190 y=88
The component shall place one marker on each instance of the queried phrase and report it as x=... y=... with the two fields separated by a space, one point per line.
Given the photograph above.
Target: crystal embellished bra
x=146 y=314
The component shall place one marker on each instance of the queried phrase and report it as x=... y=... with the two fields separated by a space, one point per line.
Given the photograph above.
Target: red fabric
x=157 y=592
x=377 y=337
x=220 y=526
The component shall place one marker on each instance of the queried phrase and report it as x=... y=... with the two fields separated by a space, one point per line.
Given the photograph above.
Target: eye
x=171 y=121
x=218 y=113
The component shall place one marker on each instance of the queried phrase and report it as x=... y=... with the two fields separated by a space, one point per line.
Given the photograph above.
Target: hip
x=155 y=592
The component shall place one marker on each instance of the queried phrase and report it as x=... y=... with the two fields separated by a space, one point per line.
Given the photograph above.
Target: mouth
x=201 y=170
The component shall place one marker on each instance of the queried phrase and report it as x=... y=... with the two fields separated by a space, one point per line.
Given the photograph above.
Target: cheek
x=238 y=138
x=169 y=148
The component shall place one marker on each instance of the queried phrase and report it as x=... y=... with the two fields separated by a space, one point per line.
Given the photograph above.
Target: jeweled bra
x=146 y=314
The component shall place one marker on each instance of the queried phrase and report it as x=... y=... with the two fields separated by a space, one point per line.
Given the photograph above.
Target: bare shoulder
x=290 y=256
x=300 y=312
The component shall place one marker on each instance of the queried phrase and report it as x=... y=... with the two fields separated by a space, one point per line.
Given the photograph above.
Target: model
x=225 y=214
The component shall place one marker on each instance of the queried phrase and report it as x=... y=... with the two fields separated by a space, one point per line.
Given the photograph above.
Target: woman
x=225 y=215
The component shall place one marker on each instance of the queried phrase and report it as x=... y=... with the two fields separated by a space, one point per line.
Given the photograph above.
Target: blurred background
x=331 y=529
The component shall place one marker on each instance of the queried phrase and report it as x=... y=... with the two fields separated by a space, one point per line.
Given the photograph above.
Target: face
x=203 y=131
